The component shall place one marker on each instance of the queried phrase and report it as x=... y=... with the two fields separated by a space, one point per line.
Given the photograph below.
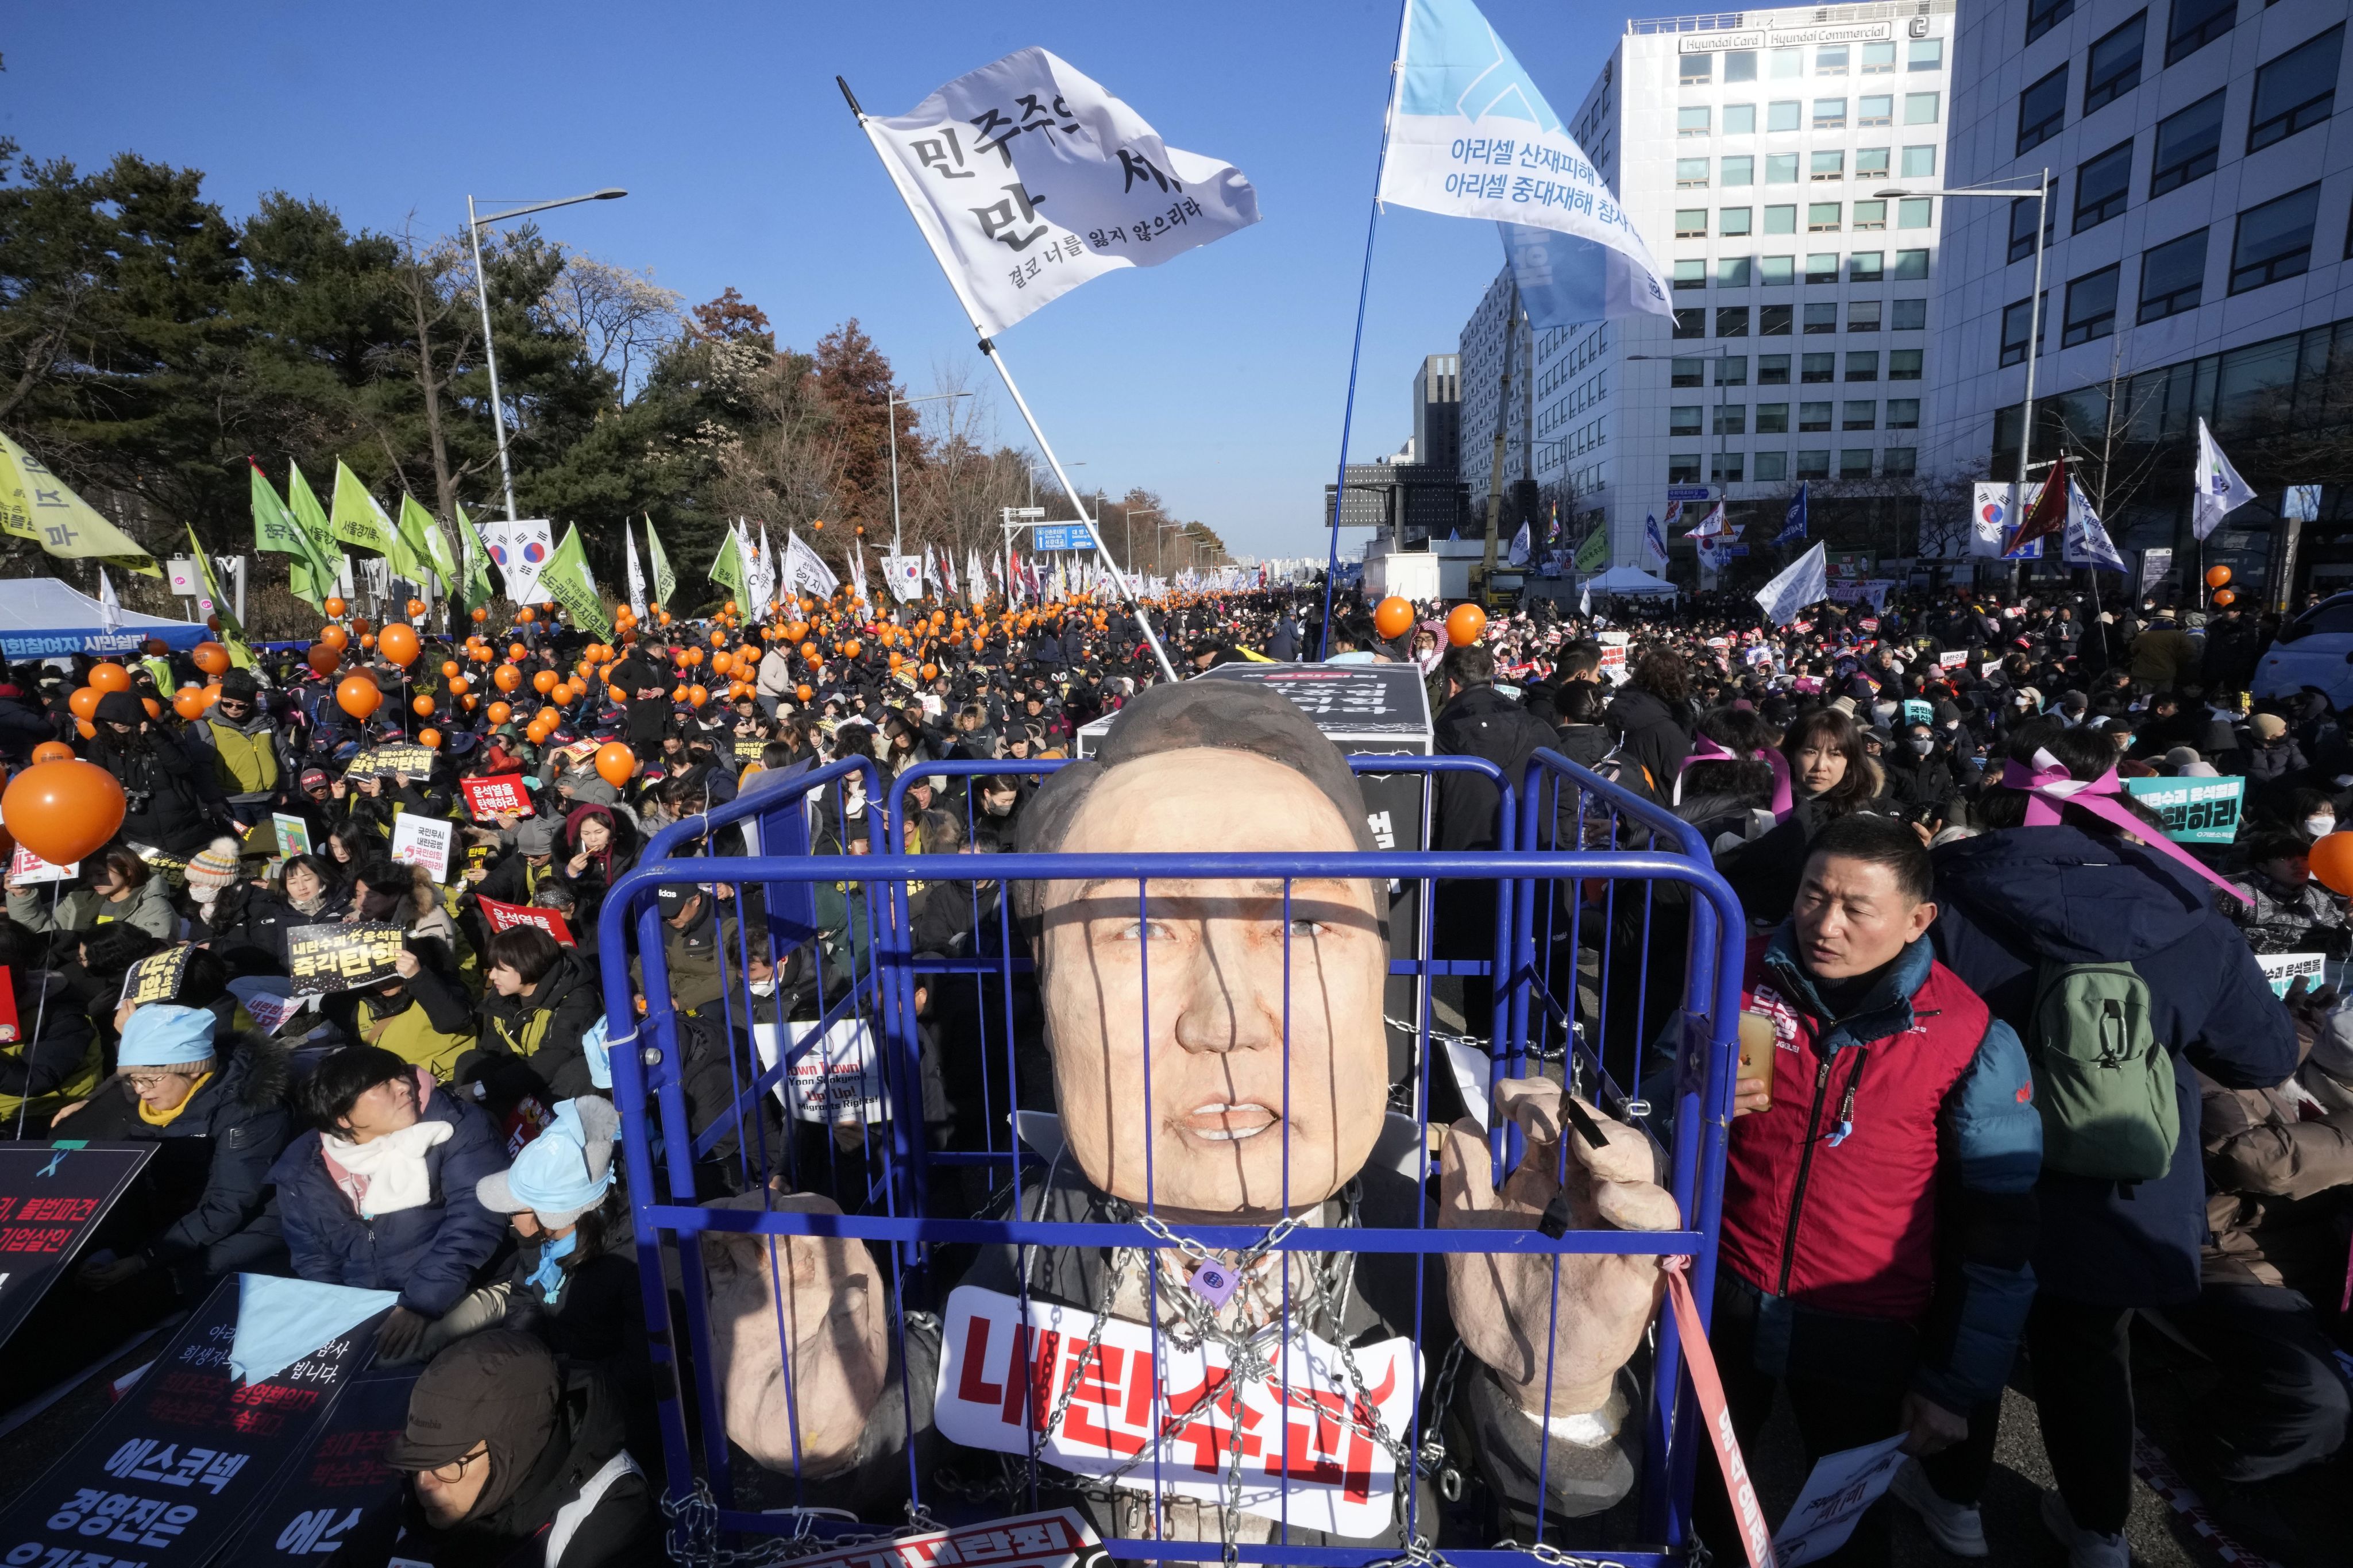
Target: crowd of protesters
x=1918 y=806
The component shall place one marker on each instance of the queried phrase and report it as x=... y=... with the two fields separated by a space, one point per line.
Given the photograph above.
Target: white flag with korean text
x=2220 y=491
x=803 y=570
x=1028 y=179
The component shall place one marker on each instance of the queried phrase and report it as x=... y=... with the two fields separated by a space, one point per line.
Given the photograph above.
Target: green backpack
x=2104 y=1082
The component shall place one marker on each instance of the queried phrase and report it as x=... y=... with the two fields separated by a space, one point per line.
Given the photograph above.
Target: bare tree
x=442 y=345
x=623 y=318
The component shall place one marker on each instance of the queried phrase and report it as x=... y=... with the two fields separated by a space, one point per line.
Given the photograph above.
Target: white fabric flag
x=1028 y=179
x=1711 y=525
x=1471 y=135
x=975 y=579
x=2087 y=543
x=110 y=608
x=637 y=577
x=1805 y=581
x=2220 y=491
x=521 y=548
x=1654 y=546
x=804 y=572
x=858 y=569
x=1520 y=545
x=903 y=574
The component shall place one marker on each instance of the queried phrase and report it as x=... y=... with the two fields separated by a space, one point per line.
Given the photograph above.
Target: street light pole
x=482 y=296
x=891 y=400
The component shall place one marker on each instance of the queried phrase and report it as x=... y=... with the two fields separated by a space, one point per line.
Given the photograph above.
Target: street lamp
x=1130 y=511
x=1157 y=529
x=483 y=294
x=891 y=400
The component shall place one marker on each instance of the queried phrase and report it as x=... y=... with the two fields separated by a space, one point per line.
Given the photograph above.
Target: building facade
x=2198 y=156
x=1750 y=149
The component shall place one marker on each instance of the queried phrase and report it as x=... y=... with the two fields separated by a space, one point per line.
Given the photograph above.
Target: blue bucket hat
x=165 y=1035
x=565 y=1171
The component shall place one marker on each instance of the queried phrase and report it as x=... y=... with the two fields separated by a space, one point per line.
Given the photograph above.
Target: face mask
x=1920 y=745
x=2319 y=827
x=764 y=987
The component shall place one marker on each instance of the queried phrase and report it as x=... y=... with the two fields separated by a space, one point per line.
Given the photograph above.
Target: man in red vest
x=1878 y=1209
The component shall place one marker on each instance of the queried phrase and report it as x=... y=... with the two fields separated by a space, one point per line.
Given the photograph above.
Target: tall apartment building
x=1437 y=412
x=2199 y=167
x=1748 y=148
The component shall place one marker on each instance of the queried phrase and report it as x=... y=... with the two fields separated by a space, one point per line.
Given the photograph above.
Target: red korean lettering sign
x=506 y=917
x=500 y=794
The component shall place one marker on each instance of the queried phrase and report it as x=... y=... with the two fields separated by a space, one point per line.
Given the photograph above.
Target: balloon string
x=40 y=1011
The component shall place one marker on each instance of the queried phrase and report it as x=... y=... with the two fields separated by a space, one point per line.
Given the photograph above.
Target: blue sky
x=1216 y=380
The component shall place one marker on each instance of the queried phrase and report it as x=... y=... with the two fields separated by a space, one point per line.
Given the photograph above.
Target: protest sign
x=52 y=1197
x=2196 y=811
x=294 y=835
x=500 y=795
x=270 y=1012
x=383 y=761
x=156 y=977
x=2285 y=969
x=171 y=1472
x=1841 y=1487
x=339 y=1478
x=24 y=869
x=1986 y=668
x=1613 y=655
x=325 y=959
x=750 y=748
x=834 y=1078
x=1918 y=712
x=506 y=917
x=1953 y=661
x=1058 y=1539
x=421 y=840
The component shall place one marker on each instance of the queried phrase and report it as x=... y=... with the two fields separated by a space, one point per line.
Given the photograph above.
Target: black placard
x=53 y=1196
x=338 y=1479
x=325 y=959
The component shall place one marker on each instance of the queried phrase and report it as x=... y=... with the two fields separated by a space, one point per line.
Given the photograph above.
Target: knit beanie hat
x=211 y=869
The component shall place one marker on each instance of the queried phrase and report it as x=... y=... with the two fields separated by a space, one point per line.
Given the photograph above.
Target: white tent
x=1630 y=582
x=41 y=617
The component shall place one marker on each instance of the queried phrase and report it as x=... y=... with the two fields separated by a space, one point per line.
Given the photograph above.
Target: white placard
x=1843 y=1486
x=427 y=841
x=2283 y=969
x=838 y=1080
x=24 y=869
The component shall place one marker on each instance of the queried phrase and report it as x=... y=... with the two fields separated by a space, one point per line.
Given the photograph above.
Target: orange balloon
x=335 y=637
x=415 y=608
x=422 y=706
x=324 y=660
x=189 y=704
x=2331 y=860
x=211 y=694
x=359 y=623
x=515 y=650
x=83 y=704
x=616 y=694
x=2217 y=575
x=808 y=651
x=929 y=671
x=615 y=763
x=526 y=615
x=544 y=682
x=358 y=697
x=506 y=678
x=561 y=695
x=897 y=659
x=459 y=686
x=1393 y=617
x=399 y=643
x=2226 y=598
x=63 y=811
x=803 y=692
x=850 y=648
x=336 y=607
x=53 y=751
x=448 y=669
x=1463 y=625
x=154 y=708
x=696 y=696
x=500 y=713
x=212 y=658
x=367 y=641
x=481 y=615
x=109 y=678
x=85 y=728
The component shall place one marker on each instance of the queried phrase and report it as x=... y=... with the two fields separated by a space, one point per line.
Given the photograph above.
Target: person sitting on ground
x=539 y=1000
x=115 y=886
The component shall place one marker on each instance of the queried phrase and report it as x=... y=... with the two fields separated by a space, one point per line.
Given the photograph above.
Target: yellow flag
x=356 y=518
x=36 y=504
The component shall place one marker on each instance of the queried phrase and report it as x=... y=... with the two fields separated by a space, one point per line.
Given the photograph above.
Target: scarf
x=548 y=1277
x=386 y=1174
x=2048 y=786
x=154 y=1118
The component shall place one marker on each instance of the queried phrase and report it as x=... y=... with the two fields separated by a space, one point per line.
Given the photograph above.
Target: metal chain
x=692 y=1535
x=1554 y=1557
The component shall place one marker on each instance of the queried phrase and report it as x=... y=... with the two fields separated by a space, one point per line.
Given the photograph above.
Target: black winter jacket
x=1652 y=733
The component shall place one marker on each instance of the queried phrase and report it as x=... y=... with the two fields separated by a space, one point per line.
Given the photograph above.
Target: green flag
x=1594 y=553
x=278 y=530
x=477 y=570
x=356 y=516
x=36 y=504
x=566 y=580
x=232 y=632
x=412 y=557
x=326 y=563
x=727 y=571
x=665 y=579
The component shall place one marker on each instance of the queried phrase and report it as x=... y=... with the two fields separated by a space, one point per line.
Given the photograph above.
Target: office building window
x=1772 y=419
x=1916 y=212
x=1780 y=168
x=1699 y=67
x=1904 y=365
x=1783 y=65
x=1692 y=323
x=1899 y=462
x=1869 y=216
x=1772 y=468
x=2101 y=185
x=1830 y=60
x=2173 y=277
x=1822 y=266
x=1823 y=217
x=1866 y=267
x=1812 y=465
x=1734 y=272
x=1879 y=60
x=1691 y=173
x=1723 y=468
x=2017 y=325
x=2042 y=15
x=1854 y=464
x=1740 y=171
x=1691 y=119
x=1821 y=319
x=1778 y=271
x=1732 y=321
x=2274 y=240
x=1733 y=222
x=1909 y=316
x=1691 y=274
x=1732 y=419
x=1816 y=368
x=2091 y=308
x=1781 y=220
x=2187 y=144
x=2196 y=24
x=1875 y=110
x=1772 y=369
x=2021 y=225
x=1863 y=315
x=2043 y=109
x=1740 y=120
x=2296 y=91
x=1682 y=468
x=2113 y=68
x=1740 y=65
x=1920 y=108
x=1813 y=416
x=1903 y=414
x=1859 y=415
x=1784 y=114
x=1773 y=321
x=1691 y=222
x=1871 y=162
x=1926 y=55
x=1686 y=372
x=1827 y=166
x=1732 y=369
x=1684 y=419
x=1911 y=267
x=1829 y=114
x=1862 y=364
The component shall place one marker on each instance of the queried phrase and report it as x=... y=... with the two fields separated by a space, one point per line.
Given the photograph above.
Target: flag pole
x=995 y=356
x=1356 y=349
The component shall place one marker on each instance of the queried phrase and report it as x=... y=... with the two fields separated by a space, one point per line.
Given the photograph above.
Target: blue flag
x=1793 y=524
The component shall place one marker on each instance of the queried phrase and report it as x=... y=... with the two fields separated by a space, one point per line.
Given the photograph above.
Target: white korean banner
x=1471 y=135
x=1028 y=179
x=421 y=840
x=903 y=574
x=802 y=570
x=1151 y=1415
x=521 y=548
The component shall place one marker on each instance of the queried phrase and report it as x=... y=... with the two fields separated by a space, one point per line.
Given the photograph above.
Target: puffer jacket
x=1652 y=733
x=2277 y=918
x=430 y=1253
x=2010 y=900
x=149 y=908
x=542 y=1028
x=2277 y=1182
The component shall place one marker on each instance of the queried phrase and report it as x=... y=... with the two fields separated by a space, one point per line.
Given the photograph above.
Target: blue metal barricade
x=839 y=970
